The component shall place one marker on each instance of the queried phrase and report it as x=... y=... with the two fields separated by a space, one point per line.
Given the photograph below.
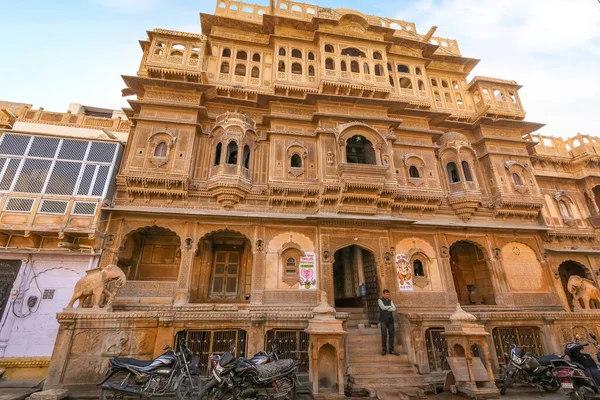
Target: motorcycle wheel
x=185 y=390
x=577 y=394
x=551 y=387
x=207 y=392
x=293 y=393
x=505 y=385
x=120 y=378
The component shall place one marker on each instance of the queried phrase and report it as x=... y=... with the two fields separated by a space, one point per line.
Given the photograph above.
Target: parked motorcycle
x=579 y=376
x=524 y=368
x=174 y=372
x=242 y=379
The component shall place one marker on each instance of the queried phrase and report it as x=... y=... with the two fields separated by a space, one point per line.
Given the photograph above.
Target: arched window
x=282 y=51
x=311 y=70
x=486 y=94
x=444 y=83
x=256 y=57
x=366 y=69
x=378 y=70
x=448 y=98
x=241 y=55
x=281 y=66
x=329 y=64
x=240 y=70
x=406 y=83
x=360 y=151
x=297 y=68
x=255 y=72
x=455 y=85
x=392 y=81
x=413 y=172
x=232 y=152
x=328 y=48
x=160 y=150
x=452 y=170
x=218 y=151
x=290 y=266
x=467 y=171
x=403 y=68
x=226 y=52
x=389 y=67
x=565 y=210
x=353 y=52
x=311 y=56
x=434 y=82
x=224 y=67
x=418 y=71
x=246 y=163
x=296 y=161
x=498 y=95
x=517 y=179
x=418 y=268
x=421 y=85
x=377 y=56
x=354 y=67
x=343 y=66
x=296 y=53
x=459 y=99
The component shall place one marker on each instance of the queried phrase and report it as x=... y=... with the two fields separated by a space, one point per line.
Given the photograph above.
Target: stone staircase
x=389 y=376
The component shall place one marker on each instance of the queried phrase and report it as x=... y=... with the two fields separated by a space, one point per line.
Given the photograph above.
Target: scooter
x=579 y=376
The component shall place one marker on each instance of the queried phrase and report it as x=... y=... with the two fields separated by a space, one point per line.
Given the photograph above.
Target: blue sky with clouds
x=74 y=51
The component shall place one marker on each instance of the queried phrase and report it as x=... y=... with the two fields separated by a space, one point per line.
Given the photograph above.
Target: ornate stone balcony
x=229 y=183
x=464 y=198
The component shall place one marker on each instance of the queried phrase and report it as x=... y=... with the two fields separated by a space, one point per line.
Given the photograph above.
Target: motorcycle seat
x=271 y=369
x=547 y=359
x=132 y=361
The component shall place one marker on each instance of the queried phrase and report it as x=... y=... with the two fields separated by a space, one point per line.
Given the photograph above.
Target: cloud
x=550 y=47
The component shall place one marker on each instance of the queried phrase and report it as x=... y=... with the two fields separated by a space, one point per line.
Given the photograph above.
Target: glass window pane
x=232 y=268
x=63 y=178
x=219 y=269
x=86 y=180
x=234 y=257
x=32 y=176
x=14 y=144
x=9 y=174
x=102 y=152
x=217 y=285
x=43 y=147
x=101 y=178
x=231 y=285
x=221 y=256
x=73 y=149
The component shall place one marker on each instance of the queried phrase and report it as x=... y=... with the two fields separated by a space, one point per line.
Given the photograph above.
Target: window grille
x=205 y=343
x=100 y=183
x=437 y=349
x=43 y=147
x=527 y=337
x=14 y=144
x=9 y=173
x=53 y=207
x=18 y=204
x=86 y=180
x=63 y=178
x=293 y=344
x=84 y=208
x=32 y=176
x=102 y=152
x=73 y=149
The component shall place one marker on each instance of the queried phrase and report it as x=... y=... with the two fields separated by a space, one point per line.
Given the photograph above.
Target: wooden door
x=8 y=273
x=372 y=281
x=226 y=271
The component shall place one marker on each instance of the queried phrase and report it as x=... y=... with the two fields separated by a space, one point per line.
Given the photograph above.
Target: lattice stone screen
x=62 y=167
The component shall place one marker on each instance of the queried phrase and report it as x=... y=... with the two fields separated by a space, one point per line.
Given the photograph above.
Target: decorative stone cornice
x=24 y=362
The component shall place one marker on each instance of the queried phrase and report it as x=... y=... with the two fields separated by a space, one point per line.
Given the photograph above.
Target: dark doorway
x=8 y=273
x=353 y=266
x=565 y=270
x=471 y=275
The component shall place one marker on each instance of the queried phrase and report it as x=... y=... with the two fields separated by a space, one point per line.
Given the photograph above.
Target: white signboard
x=308 y=271
x=404 y=273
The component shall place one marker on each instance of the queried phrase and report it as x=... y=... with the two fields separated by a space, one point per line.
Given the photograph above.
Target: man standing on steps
x=386 y=321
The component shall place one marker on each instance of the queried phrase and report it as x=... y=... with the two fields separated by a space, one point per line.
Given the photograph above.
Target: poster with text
x=403 y=271
x=308 y=271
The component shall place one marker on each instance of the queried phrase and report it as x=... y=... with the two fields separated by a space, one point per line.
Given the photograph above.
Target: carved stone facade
x=257 y=145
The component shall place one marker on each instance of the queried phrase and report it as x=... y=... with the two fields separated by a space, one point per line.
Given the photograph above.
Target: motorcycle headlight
x=218 y=368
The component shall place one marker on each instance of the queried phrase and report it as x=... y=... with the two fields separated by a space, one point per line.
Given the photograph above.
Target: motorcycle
x=173 y=372
x=242 y=379
x=579 y=376
x=524 y=368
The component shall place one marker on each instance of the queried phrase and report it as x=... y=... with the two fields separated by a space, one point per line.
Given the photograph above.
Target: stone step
x=352 y=310
x=366 y=338
x=357 y=358
x=360 y=369
x=353 y=324
x=354 y=317
x=382 y=379
x=366 y=330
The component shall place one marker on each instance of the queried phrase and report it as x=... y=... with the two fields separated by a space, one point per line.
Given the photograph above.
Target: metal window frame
x=4 y=209
x=39 y=210
x=86 y=202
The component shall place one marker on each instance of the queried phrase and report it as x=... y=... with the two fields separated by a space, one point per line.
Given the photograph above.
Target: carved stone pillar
x=61 y=353
x=447 y=278
x=326 y=274
x=259 y=257
x=184 y=279
x=164 y=335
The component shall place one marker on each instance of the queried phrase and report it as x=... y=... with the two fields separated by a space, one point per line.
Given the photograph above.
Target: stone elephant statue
x=582 y=289
x=95 y=284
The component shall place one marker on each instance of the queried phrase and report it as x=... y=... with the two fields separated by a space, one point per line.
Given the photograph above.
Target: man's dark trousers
x=387 y=328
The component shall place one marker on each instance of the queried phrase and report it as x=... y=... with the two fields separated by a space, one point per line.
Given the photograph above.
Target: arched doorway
x=222 y=268
x=150 y=254
x=471 y=275
x=359 y=150
x=352 y=267
x=565 y=270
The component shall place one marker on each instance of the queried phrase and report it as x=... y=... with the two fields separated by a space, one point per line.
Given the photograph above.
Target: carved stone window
x=420 y=268
x=354 y=67
x=328 y=48
x=406 y=83
x=226 y=52
x=224 y=67
x=377 y=56
x=240 y=70
x=311 y=71
x=353 y=52
x=418 y=71
x=343 y=66
x=311 y=56
x=517 y=179
x=392 y=81
x=297 y=68
x=296 y=161
x=360 y=151
x=241 y=55
x=413 y=172
x=256 y=57
x=282 y=52
x=160 y=151
x=255 y=72
x=421 y=85
x=281 y=66
x=378 y=70
x=246 y=157
x=403 y=68
x=452 y=170
x=366 y=69
x=290 y=261
x=218 y=151
x=296 y=53
x=232 y=153
x=467 y=171
x=329 y=63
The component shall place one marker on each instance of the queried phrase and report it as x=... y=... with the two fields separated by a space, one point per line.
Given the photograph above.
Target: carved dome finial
x=452 y=137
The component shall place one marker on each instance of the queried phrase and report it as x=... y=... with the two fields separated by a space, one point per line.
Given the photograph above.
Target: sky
x=74 y=51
